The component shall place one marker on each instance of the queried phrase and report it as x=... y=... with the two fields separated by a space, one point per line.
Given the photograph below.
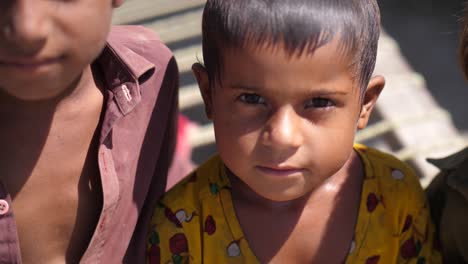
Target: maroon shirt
x=136 y=145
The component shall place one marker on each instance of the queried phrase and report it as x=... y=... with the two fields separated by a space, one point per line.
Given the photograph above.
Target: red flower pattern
x=172 y=217
x=178 y=244
x=408 y=249
x=373 y=260
x=154 y=255
x=408 y=223
x=372 y=202
x=210 y=225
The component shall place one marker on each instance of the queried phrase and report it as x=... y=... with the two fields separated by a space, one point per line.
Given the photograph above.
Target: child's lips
x=28 y=63
x=279 y=171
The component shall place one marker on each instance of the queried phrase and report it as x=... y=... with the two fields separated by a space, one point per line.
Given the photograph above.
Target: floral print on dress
x=154 y=252
x=373 y=260
x=372 y=202
x=182 y=216
x=178 y=244
x=210 y=225
x=410 y=249
x=214 y=188
x=408 y=222
x=398 y=174
x=233 y=249
x=196 y=222
x=172 y=217
x=179 y=247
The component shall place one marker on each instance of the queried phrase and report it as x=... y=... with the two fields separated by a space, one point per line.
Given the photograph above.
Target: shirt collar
x=123 y=70
x=450 y=162
x=130 y=60
x=456 y=166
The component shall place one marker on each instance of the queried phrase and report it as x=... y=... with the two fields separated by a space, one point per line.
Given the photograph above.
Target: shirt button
x=4 y=207
x=126 y=92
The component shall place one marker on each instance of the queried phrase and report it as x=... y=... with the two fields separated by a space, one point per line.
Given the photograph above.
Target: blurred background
x=422 y=111
x=427 y=33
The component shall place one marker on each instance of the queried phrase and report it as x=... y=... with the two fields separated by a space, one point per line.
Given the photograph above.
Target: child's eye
x=320 y=102
x=252 y=98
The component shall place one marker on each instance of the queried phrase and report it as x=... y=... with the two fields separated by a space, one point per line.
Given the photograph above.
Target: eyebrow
x=244 y=87
x=318 y=91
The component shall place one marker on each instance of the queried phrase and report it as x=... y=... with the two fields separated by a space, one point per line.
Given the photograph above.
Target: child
x=448 y=192
x=87 y=132
x=287 y=83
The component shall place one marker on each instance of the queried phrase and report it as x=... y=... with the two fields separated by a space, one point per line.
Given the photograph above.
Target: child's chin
x=286 y=196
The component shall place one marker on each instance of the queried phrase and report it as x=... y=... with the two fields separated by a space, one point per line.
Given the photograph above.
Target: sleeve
x=418 y=243
x=436 y=197
x=454 y=234
x=167 y=241
x=172 y=87
x=167 y=120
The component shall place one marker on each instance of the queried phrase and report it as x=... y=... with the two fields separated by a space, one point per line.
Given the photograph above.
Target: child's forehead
x=271 y=66
x=278 y=54
x=336 y=45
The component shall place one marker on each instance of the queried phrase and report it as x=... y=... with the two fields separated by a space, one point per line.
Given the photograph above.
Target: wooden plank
x=141 y=10
x=189 y=96
x=178 y=27
x=188 y=56
x=406 y=97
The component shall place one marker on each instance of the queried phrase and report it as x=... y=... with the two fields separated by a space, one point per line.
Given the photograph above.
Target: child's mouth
x=26 y=64
x=279 y=171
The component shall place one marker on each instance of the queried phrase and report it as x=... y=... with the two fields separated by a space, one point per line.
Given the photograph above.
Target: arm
x=453 y=231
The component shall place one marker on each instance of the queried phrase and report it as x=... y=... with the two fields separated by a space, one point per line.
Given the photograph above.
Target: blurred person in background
x=448 y=192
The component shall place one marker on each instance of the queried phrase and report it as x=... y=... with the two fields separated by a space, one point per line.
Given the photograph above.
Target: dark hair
x=464 y=42
x=299 y=25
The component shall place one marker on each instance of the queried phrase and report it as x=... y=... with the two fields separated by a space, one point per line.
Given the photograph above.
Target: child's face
x=46 y=44
x=285 y=124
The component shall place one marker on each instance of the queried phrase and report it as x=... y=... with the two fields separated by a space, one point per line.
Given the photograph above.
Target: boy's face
x=285 y=124
x=46 y=44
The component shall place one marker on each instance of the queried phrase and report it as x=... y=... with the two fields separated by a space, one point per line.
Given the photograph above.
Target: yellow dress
x=195 y=222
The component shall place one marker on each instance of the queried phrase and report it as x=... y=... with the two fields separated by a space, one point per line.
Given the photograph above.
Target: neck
x=242 y=193
x=336 y=185
x=74 y=94
x=33 y=132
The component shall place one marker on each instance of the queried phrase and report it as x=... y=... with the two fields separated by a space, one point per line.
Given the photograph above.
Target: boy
x=87 y=134
x=287 y=83
x=448 y=192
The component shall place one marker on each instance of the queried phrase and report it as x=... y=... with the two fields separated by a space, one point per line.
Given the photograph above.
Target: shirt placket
x=9 y=243
x=121 y=101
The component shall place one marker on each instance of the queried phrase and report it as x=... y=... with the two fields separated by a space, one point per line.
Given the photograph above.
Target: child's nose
x=284 y=129
x=26 y=25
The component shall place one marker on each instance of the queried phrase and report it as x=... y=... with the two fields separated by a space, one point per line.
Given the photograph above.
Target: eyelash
x=320 y=102
x=252 y=99
x=317 y=102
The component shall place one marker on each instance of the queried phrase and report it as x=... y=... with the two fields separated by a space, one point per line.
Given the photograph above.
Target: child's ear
x=117 y=3
x=205 y=88
x=374 y=88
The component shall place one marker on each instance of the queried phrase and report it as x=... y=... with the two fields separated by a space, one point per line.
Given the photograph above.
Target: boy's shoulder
x=207 y=180
x=391 y=176
x=392 y=185
x=381 y=160
x=452 y=161
x=453 y=176
x=128 y=41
